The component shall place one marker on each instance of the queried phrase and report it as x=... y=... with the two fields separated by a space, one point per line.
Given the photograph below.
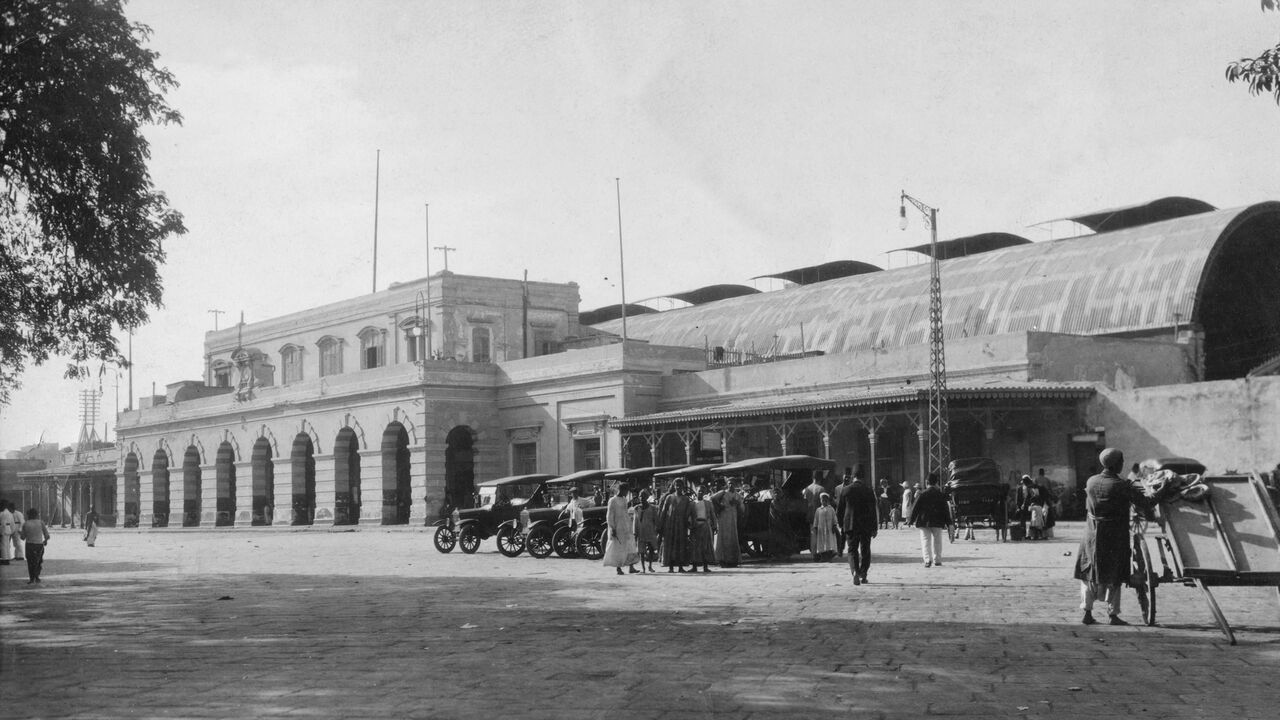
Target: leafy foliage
x=1263 y=72
x=81 y=224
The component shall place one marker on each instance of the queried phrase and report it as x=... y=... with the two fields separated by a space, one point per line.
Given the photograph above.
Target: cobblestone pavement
x=374 y=622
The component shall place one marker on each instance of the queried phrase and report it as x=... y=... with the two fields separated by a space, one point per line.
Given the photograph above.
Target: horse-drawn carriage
x=979 y=497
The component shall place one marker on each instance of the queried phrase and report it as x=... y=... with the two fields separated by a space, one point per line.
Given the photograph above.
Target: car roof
x=645 y=472
x=781 y=462
x=514 y=479
x=581 y=475
x=689 y=471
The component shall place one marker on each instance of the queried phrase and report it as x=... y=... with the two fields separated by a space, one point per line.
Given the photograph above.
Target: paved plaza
x=375 y=623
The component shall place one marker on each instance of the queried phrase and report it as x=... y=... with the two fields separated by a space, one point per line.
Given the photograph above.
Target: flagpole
x=377 y=176
x=622 y=265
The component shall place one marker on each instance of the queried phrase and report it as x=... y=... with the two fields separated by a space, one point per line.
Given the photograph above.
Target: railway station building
x=1157 y=330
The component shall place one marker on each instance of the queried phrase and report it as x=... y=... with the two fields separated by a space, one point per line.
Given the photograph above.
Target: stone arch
x=302 y=462
x=132 y=490
x=160 y=489
x=264 y=433
x=398 y=415
x=198 y=447
x=225 y=474
x=397 y=495
x=306 y=428
x=264 y=481
x=346 y=477
x=229 y=439
x=191 y=486
x=459 y=467
x=349 y=421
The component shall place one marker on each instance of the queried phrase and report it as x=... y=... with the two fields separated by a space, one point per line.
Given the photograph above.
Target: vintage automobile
x=501 y=500
x=978 y=495
x=540 y=534
x=774 y=522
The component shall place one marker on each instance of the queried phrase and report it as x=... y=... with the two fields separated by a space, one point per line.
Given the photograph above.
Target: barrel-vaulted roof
x=1219 y=269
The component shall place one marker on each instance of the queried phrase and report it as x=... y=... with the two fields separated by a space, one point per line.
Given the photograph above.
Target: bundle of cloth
x=1167 y=485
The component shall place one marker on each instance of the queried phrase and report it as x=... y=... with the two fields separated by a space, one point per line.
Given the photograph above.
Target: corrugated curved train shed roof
x=1128 y=281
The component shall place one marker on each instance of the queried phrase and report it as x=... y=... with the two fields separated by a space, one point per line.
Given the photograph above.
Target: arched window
x=415 y=339
x=373 y=348
x=291 y=362
x=330 y=355
x=480 y=351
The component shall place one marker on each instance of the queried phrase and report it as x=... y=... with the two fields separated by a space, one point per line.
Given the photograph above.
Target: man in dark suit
x=836 y=494
x=859 y=520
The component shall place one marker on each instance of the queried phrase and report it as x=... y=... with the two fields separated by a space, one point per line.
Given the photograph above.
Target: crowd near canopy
x=1216 y=271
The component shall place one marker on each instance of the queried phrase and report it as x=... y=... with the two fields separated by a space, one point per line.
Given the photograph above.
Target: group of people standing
x=22 y=537
x=690 y=525
x=695 y=525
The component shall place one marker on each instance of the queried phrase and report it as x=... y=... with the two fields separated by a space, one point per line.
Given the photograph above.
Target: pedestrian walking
x=91 y=526
x=19 y=547
x=824 y=530
x=837 y=498
x=1102 y=562
x=728 y=504
x=621 y=549
x=894 y=493
x=645 y=527
x=35 y=535
x=860 y=519
x=812 y=501
x=675 y=515
x=701 y=534
x=7 y=531
x=931 y=515
x=882 y=503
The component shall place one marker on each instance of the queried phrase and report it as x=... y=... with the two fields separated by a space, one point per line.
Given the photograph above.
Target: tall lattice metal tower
x=939 y=428
x=89 y=402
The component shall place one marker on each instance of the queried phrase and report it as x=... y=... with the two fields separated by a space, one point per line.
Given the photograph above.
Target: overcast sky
x=749 y=137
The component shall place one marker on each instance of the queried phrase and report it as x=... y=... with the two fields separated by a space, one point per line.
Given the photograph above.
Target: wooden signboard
x=1231 y=538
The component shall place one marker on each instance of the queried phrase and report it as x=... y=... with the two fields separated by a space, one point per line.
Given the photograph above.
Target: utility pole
x=939 y=428
x=215 y=314
x=446 y=250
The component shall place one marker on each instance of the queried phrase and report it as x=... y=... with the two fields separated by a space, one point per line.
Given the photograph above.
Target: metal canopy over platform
x=1127 y=216
x=971 y=245
x=823 y=272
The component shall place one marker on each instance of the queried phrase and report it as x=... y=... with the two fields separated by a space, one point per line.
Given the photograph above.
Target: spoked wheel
x=538 y=542
x=1151 y=580
x=563 y=543
x=445 y=539
x=468 y=540
x=591 y=543
x=510 y=541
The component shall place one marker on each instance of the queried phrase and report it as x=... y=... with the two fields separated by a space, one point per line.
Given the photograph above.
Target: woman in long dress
x=91 y=527
x=824 y=531
x=621 y=549
x=674 y=518
x=704 y=525
x=728 y=505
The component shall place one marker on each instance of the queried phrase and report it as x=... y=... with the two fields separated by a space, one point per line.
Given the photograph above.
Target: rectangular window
x=292 y=365
x=222 y=377
x=480 y=345
x=331 y=359
x=543 y=342
x=586 y=454
x=524 y=458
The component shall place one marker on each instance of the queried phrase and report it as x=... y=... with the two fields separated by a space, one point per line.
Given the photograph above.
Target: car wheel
x=445 y=539
x=510 y=542
x=562 y=542
x=468 y=540
x=538 y=543
x=755 y=548
x=591 y=543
